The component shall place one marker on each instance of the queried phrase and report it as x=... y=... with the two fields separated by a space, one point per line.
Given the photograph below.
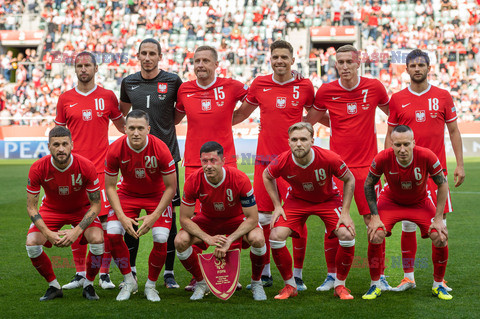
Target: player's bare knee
x=160 y=234
x=94 y=235
x=255 y=238
x=436 y=240
x=35 y=238
x=279 y=233
x=182 y=241
x=378 y=237
x=344 y=234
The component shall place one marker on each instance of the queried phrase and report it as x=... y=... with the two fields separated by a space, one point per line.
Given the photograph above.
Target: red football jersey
x=281 y=106
x=312 y=182
x=426 y=114
x=86 y=115
x=65 y=189
x=209 y=112
x=406 y=185
x=223 y=200
x=352 y=118
x=143 y=170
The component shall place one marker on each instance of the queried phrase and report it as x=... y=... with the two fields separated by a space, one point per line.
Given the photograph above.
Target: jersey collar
x=404 y=166
x=85 y=94
x=308 y=164
x=283 y=83
x=221 y=182
x=207 y=86
x=421 y=93
x=59 y=169
x=341 y=85
x=137 y=151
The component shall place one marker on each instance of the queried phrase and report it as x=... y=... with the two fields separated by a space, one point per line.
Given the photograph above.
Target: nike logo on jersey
x=123 y=162
x=168 y=221
x=265 y=90
x=48 y=180
x=106 y=206
x=335 y=98
x=134 y=87
x=405 y=105
x=72 y=105
x=189 y=95
x=392 y=173
x=201 y=195
x=291 y=176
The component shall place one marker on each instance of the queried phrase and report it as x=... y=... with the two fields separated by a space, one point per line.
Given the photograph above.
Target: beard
x=300 y=153
x=423 y=78
x=86 y=80
x=61 y=162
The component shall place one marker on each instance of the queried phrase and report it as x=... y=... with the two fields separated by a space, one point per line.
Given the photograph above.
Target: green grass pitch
x=21 y=285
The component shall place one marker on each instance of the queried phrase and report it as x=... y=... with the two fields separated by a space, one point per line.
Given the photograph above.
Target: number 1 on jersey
x=148 y=101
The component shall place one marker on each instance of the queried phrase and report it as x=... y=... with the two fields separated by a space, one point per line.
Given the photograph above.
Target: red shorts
x=360 y=174
x=103 y=196
x=219 y=226
x=189 y=170
x=432 y=189
x=133 y=205
x=391 y=213
x=298 y=211
x=55 y=221
x=264 y=203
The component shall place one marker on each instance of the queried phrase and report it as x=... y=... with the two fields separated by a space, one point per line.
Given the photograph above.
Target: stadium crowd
x=241 y=30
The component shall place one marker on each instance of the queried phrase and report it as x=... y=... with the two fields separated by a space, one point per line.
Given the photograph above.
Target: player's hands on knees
x=127 y=224
x=53 y=237
x=217 y=240
x=69 y=237
x=373 y=226
x=441 y=229
x=148 y=222
x=277 y=212
x=459 y=176
x=347 y=221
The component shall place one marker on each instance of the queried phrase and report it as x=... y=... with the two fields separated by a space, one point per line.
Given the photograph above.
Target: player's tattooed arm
x=32 y=207
x=439 y=179
x=370 y=193
x=94 y=197
x=93 y=211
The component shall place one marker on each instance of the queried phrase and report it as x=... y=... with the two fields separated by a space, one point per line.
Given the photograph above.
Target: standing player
x=406 y=168
x=72 y=196
x=426 y=109
x=148 y=182
x=86 y=111
x=227 y=208
x=282 y=99
x=351 y=103
x=155 y=91
x=309 y=170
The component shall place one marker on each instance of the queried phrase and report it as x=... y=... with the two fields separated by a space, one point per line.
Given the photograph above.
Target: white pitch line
x=464 y=192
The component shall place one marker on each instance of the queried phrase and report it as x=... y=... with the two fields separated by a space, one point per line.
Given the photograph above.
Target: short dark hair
x=212 y=146
x=402 y=129
x=281 y=44
x=85 y=53
x=208 y=48
x=417 y=53
x=151 y=40
x=138 y=114
x=59 y=131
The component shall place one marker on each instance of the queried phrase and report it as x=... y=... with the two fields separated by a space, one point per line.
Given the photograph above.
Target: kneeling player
x=148 y=182
x=227 y=207
x=72 y=197
x=309 y=170
x=406 y=168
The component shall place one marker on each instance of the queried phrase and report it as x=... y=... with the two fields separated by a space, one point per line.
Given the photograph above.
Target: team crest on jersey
x=420 y=116
x=352 y=108
x=308 y=187
x=206 y=105
x=219 y=207
x=63 y=190
x=407 y=185
x=281 y=102
x=162 y=87
x=139 y=172
x=87 y=115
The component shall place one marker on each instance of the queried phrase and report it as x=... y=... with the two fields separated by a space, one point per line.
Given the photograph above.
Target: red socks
x=44 y=266
x=374 y=260
x=107 y=256
x=120 y=254
x=439 y=258
x=299 y=248
x=192 y=266
x=344 y=261
x=283 y=260
x=409 y=250
x=331 y=247
x=93 y=265
x=79 y=252
x=156 y=260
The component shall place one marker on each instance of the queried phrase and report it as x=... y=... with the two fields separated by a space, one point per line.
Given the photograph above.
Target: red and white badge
x=162 y=87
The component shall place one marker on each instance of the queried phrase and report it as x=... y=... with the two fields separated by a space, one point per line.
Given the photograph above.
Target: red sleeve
x=60 y=118
x=111 y=161
x=450 y=110
x=319 y=98
x=376 y=167
x=245 y=186
x=166 y=162
x=383 y=95
x=241 y=91
x=274 y=168
x=251 y=98
x=34 y=179
x=392 y=108
x=179 y=105
x=93 y=184
x=339 y=168
x=434 y=166
x=310 y=91
x=189 y=194
x=115 y=113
